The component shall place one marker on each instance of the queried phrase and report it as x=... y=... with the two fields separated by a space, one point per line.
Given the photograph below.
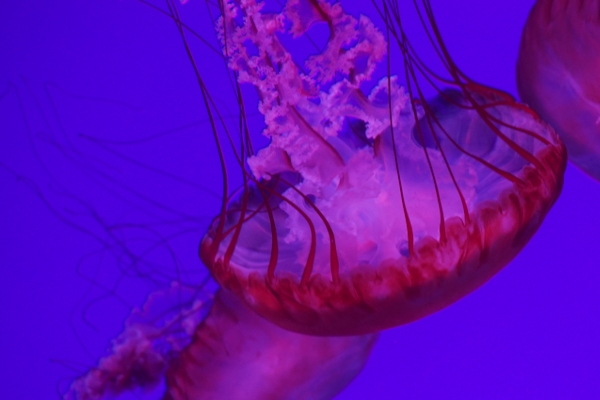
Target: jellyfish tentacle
x=409 y=229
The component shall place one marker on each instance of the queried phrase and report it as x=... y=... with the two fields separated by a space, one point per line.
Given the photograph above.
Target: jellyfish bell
x=236 y=354
x=557 y=74
x=371 y=210
x=208 y=345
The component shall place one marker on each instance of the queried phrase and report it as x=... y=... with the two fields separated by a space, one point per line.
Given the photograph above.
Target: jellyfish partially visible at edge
x=216 y=348
x=558 y=74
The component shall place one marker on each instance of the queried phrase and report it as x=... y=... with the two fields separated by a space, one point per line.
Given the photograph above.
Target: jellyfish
x=364 y=212
x=393 y=150
x=558 y=77
x=368 y=211
x=217 y=348
x=237 y=354
x=371 y=210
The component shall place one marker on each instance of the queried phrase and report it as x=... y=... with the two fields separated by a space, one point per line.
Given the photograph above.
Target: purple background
x=117 y=69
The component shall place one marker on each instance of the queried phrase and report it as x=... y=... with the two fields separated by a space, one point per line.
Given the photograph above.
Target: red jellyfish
x=558 y=74
x=367 y=210
x=233 y=354
x=371 y=210
x=236 y=354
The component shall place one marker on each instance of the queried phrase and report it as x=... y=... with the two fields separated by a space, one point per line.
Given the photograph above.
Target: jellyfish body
x=558 y=74
x=371 y=211
x=217 y=348
x=236 y=354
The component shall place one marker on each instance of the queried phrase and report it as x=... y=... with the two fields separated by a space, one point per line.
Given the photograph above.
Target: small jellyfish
x=373 y=209
x=233 y=354
x=236 y=354
x=558 y=74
